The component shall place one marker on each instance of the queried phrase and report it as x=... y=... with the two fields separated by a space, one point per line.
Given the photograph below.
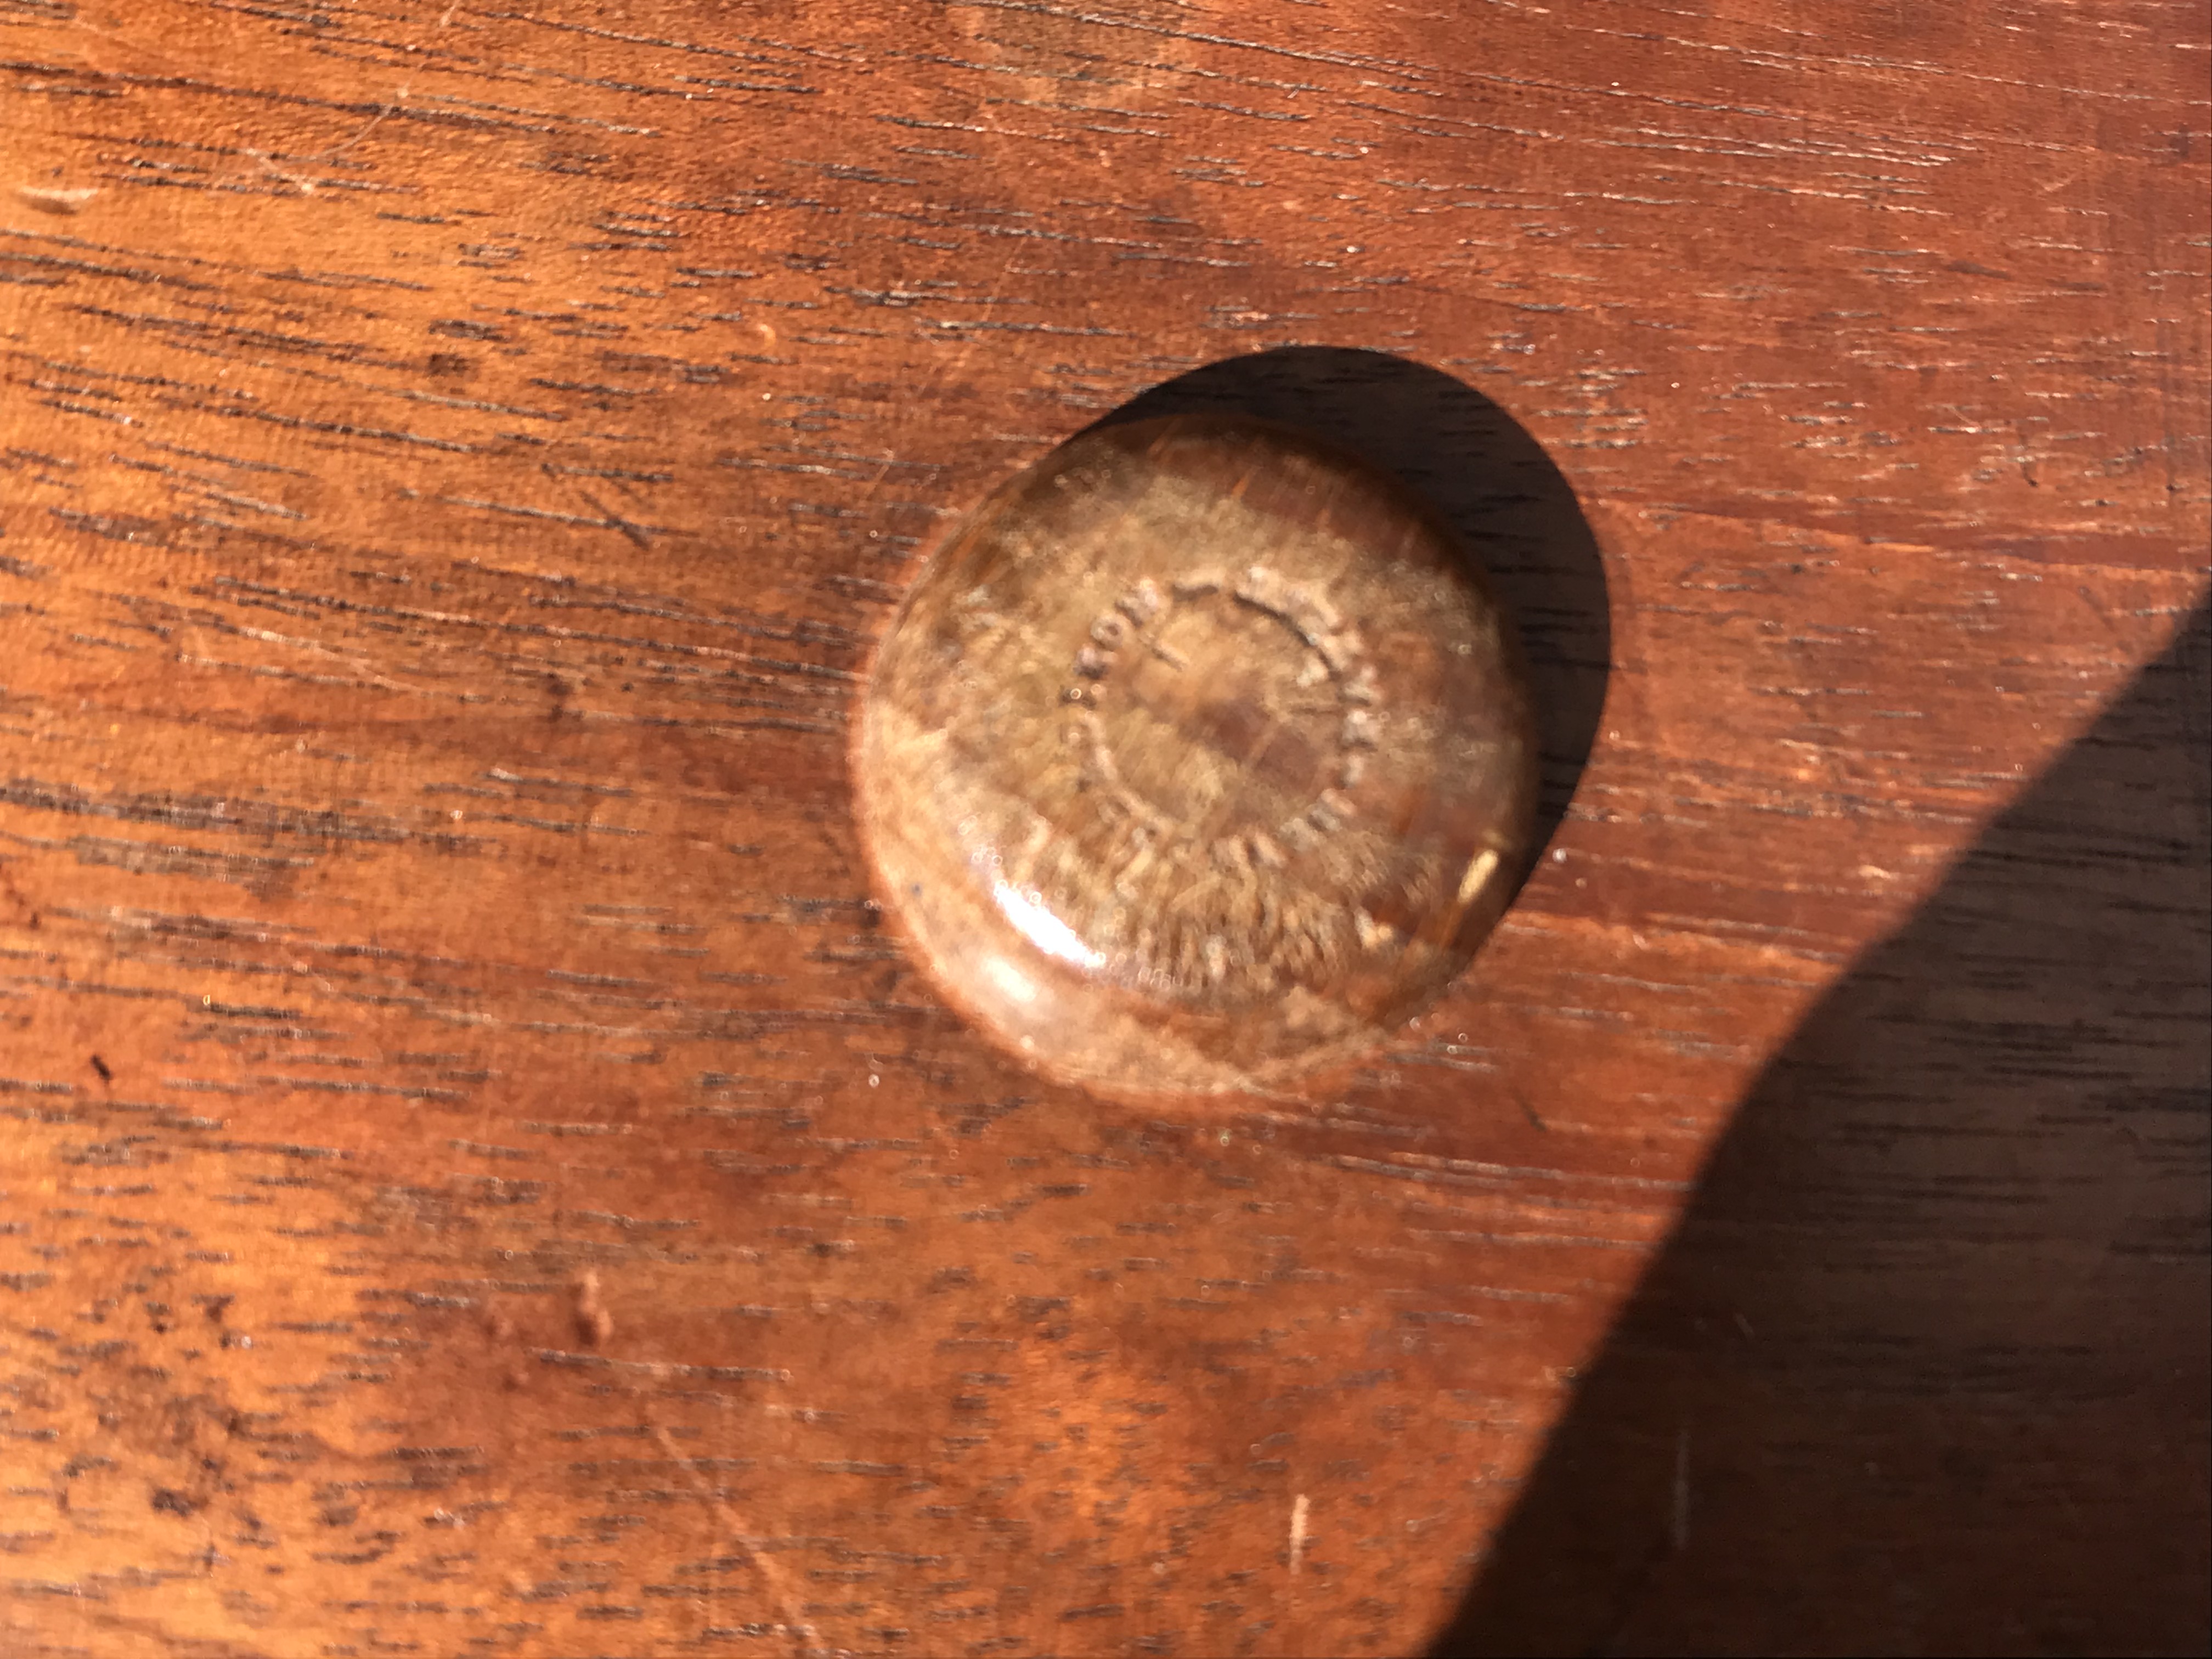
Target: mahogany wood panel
x=474 y=1177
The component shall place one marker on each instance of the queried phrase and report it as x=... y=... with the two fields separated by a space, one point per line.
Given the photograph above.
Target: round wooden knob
x=1198 y=756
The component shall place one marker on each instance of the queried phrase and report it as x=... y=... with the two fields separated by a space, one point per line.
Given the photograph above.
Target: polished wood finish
x=1198 y=757
x=476 y=1175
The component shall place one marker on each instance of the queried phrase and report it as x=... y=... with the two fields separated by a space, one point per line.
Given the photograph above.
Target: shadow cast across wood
x=1925 y=1369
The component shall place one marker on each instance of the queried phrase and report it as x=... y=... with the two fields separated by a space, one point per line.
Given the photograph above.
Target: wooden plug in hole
x=1197 y=756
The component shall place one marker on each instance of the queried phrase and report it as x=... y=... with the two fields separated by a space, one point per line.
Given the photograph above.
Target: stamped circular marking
x=1196 y=756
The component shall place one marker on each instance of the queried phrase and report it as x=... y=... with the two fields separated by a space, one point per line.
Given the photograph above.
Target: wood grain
x=475 y=1178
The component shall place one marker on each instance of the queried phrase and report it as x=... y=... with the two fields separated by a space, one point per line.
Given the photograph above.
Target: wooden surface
x=474 y=1177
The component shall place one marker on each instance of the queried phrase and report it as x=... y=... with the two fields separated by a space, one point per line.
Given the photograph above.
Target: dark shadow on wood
x=1478 y=467
x=1925 y=1370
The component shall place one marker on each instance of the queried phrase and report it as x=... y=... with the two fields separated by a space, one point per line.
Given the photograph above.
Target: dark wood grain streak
x=475 y=1175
